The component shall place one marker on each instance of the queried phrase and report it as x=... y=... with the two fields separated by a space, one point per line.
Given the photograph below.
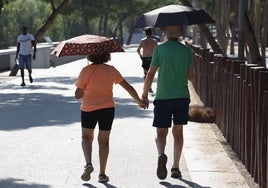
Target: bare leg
x=103 y=140
x=145 y=74
x=161 y=139
x=87 y=139
x=22 y=75
x=162 y=158
x=30 y=75
x=177 y=132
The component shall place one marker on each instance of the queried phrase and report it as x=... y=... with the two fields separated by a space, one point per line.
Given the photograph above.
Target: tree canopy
x=63 y=19
x=102 y=17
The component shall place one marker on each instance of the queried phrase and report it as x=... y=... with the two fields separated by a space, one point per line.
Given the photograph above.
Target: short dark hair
x=148 y=32
x=99 y=58
x=24 y=28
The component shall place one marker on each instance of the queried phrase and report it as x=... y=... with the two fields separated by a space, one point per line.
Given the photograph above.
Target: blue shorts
x=104 y=117
x=171 y=109
x=25 y=61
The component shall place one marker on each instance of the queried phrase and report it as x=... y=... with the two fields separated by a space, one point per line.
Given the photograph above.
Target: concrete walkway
x=40 y=137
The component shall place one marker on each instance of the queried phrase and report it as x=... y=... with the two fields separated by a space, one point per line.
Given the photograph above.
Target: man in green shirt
x=174 y=62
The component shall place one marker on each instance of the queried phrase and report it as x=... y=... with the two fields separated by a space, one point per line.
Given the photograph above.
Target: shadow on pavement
x=134 y=79
x=126 y=108
x=36 y=84
x=191 y=184
x=89 y=185
x=14 y=183
x=105 y=184
x=45 y=105
x=22 y=111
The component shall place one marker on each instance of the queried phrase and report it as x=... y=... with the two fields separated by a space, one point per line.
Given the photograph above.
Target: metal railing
x=238 y=94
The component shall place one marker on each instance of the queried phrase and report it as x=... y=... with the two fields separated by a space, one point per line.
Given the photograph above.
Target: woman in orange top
x=94 y=86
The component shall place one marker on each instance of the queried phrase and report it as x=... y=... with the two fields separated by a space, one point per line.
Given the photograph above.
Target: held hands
x=145 y=100
x=141 y=104
x=33 y=56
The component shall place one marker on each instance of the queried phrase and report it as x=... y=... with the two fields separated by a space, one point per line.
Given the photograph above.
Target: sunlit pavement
x=40 y=136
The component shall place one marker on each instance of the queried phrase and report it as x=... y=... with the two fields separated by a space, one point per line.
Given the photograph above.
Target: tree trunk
x=119 y=37
x=38 y=35
x=218 y=20
x=203 y=42
x=233 y=27
x=222 y=19
x=100 y=25
x=205 y=31
x=251 y=42
x=265 y=33
x=105 y=21
x=130 y=33
x=225 y=24
x=130 y=36
x=257 y=20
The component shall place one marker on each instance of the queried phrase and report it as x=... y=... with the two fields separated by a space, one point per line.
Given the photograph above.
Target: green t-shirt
x=173 y=60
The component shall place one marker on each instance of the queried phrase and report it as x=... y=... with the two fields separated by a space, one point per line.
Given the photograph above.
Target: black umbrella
x=173 y=15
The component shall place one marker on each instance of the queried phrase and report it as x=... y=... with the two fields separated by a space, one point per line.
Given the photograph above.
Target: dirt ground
x=234 y=157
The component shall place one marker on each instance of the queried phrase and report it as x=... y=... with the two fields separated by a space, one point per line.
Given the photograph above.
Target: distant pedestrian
x=95 y=87
x=145 y=51
x=173 y=60
x=25 y=43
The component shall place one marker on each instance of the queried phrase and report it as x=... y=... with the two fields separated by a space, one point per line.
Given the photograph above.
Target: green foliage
x=79 y=17
x=32 y=13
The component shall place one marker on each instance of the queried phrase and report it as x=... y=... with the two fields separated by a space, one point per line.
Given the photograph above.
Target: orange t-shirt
x=97 y=82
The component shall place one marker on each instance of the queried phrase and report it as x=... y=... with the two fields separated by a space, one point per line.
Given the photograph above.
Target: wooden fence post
x=263 y=86
x=255 y=147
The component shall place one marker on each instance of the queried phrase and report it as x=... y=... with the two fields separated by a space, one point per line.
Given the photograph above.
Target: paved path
x=40 y=137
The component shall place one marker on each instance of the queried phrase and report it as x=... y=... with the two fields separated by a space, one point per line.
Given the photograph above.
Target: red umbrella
x=86 y=45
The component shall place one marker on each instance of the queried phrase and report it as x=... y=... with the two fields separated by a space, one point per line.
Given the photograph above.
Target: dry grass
x=201 y=114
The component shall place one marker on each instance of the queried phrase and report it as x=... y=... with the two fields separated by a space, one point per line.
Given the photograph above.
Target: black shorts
x=171 y=109
x=146 y=62
x=104 y=117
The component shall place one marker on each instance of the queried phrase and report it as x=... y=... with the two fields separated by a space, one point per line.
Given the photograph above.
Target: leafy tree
x=38 y=15
x=113 y=18
x=30 y=18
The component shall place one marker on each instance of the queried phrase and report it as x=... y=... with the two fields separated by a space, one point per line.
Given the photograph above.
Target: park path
x=40 y=136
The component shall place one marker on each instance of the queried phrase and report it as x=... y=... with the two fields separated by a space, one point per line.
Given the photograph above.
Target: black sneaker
x=175 y=173
x=22 y=84
x=87 y=171
x=161 y=167
x=31 y=79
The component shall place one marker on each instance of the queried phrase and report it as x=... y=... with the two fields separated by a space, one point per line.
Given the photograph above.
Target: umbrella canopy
x=86 y=45
x=173 y=15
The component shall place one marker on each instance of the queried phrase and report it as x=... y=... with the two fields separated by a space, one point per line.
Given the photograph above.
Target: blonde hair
x=172 y=31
